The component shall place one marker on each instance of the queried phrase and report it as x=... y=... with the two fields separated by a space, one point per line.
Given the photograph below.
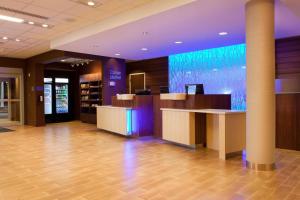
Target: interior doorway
x=11 y=98
x=137 y=81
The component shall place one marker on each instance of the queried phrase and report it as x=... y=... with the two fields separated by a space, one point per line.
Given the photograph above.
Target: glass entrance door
x=10 y=100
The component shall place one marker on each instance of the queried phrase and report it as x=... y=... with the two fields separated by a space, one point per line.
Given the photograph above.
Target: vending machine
x=56 y=103
x=48 y=96
x=62 y=95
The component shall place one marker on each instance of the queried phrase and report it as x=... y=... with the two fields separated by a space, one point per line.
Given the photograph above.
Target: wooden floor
x=75 y=161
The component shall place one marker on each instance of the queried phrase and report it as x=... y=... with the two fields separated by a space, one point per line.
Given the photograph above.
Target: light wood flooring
x=74 y=161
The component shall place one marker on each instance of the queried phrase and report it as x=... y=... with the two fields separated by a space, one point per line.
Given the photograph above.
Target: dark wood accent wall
x=287 y=105
x=12 y=62
x=34 y=86
x=156 y=72
x=288 y=121
x=288 y=58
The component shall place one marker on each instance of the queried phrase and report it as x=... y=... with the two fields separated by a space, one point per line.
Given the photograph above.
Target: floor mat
x=4 y=130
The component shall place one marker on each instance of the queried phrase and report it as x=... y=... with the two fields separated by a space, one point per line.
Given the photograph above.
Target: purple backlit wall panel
x=221 y=70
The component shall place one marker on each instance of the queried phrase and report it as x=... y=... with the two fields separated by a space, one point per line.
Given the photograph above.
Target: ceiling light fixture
x=11 y=19
x=31 y=23
x=144 y=49
x=18 y=40
x=63 y=60
x=117 y=54
x=223 y=33
x=90 y=3
x=178 y=42
x=45 y=25
x=5 y=38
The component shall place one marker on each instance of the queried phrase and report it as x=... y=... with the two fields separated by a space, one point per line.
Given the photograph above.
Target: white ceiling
x=65 y=16
x=116 y=26
x=196 y=23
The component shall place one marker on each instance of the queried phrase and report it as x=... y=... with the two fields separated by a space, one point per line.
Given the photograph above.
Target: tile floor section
x=74 y=161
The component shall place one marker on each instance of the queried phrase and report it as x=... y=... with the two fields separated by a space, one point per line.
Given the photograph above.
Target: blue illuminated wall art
x=221 y=70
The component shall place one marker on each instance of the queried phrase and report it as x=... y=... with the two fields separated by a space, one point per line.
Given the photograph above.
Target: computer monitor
x=193 y=89
x=142 y=92
x=164 y=89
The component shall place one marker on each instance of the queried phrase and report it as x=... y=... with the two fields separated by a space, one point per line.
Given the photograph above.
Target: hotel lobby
x=149 y=99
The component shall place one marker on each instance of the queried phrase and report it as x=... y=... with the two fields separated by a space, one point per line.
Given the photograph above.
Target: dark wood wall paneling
x=34 y=86
x=288 y=121
x=12 y=62
x=156 y=72
x=288 y=58
x=287 y=105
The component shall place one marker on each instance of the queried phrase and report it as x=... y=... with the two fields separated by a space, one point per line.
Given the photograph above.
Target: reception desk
x=115 y=119
x=134 y=115
x=225 y=130
x=198 y=101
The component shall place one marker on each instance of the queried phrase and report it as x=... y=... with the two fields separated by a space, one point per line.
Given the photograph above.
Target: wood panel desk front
x=198 y=101
x=225 y=129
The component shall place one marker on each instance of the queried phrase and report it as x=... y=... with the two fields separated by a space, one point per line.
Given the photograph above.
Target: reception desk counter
x=225 y=129
x=183 y=101
x=128 y=115
x=115 y=119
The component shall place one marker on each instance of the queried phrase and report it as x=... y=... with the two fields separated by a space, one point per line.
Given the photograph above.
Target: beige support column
x=260 y=120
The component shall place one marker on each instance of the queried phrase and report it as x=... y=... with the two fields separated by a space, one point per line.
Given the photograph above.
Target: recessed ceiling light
x=62 y=60
x=178 y=42
x=11 y=19
x=31 y=22
x=144 y=49
x=90 y=3
x=117 y=54
x=18 y=40
x=45 y=25
x=5 y=38
x=223 y=33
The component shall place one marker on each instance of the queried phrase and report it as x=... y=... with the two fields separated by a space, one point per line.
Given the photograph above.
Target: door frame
x=6 y=72
x=134 y=74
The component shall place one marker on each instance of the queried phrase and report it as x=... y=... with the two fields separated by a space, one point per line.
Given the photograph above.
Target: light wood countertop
x=209 y=111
